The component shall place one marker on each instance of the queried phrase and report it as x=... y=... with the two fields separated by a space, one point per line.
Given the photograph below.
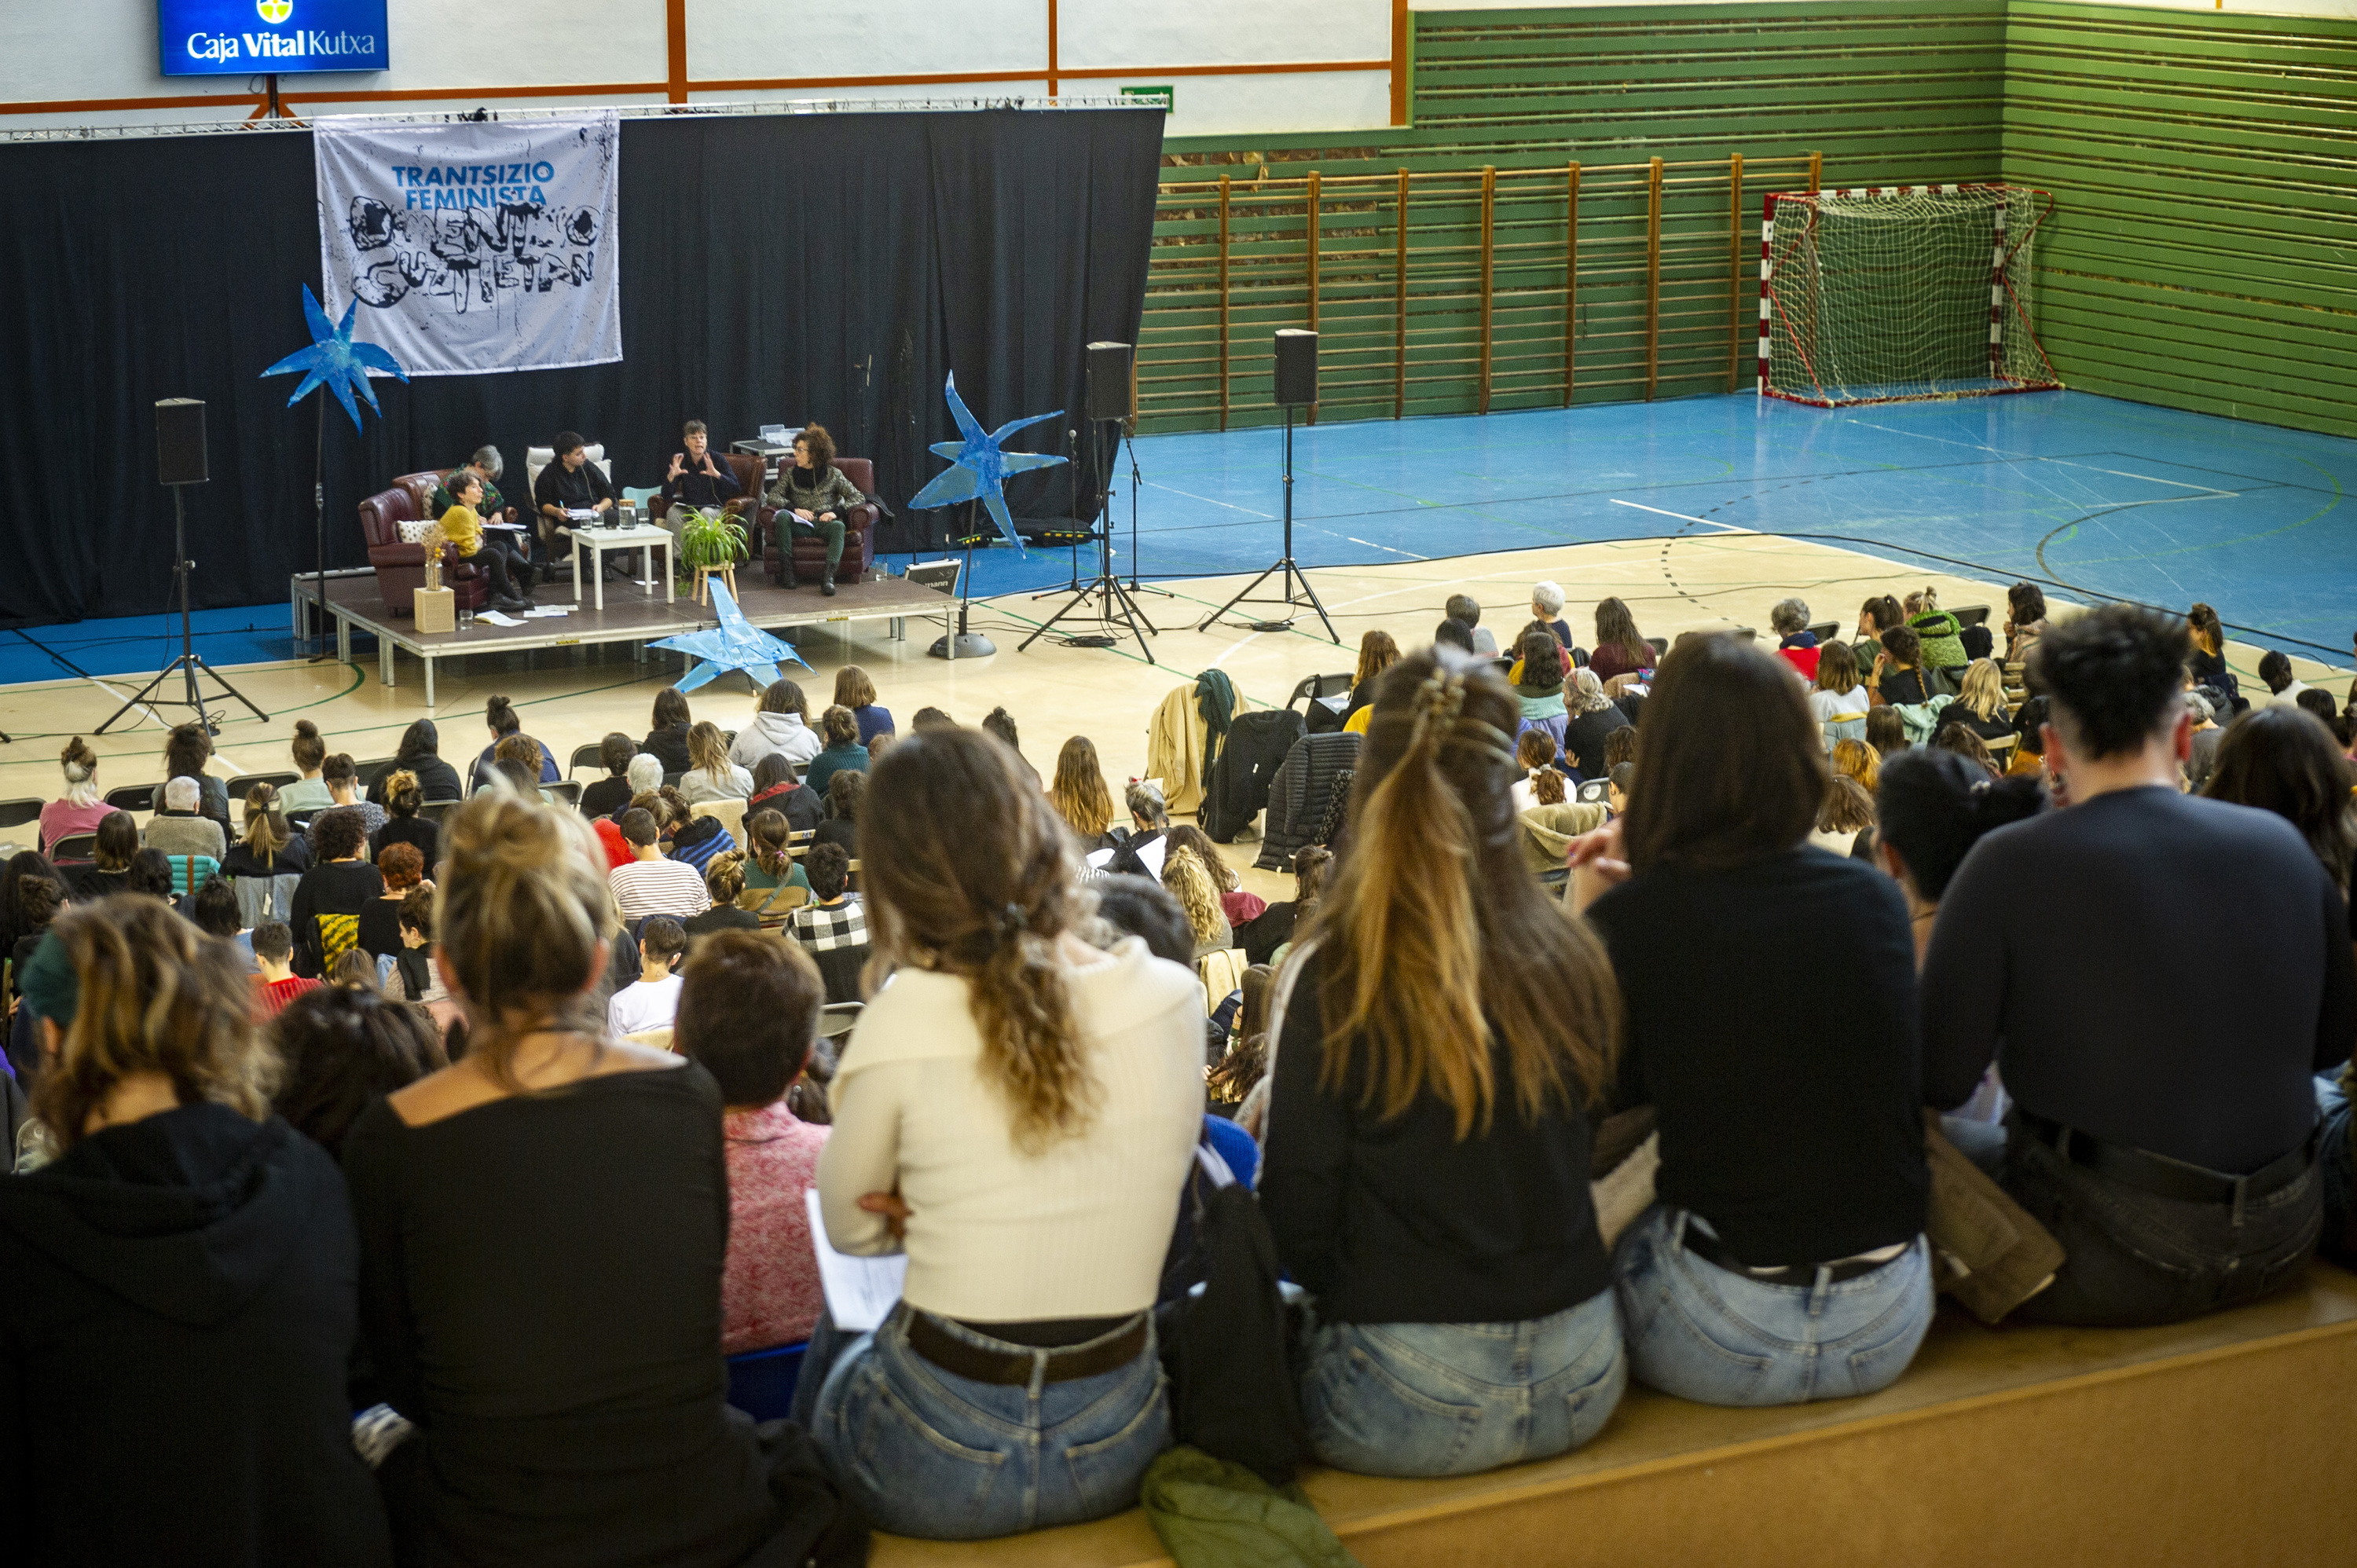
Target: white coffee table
x=595 y=540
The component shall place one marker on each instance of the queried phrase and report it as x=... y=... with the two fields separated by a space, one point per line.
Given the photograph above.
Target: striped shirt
x=672 y=887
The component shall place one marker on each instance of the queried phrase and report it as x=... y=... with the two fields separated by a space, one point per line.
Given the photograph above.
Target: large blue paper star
x=335 y=361
x=981 y=466
x=733 y=644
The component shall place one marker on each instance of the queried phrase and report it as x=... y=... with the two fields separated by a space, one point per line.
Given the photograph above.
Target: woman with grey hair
x=1797 y=645
x=645 y=774
x=1594 y=717
x=1546 y=607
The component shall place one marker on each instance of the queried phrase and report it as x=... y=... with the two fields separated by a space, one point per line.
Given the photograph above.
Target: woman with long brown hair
x=507 y=1202
x=1440 y=1034
x=2208 y=658
x=1377 y=653
x=814 y=498
x=1079 y=793
x=855 y=690
x=1619 y=650
x=1015 y=1112
x=1785 y=1260
x=711 y=775
x=187 y=1251
x=1188 y=880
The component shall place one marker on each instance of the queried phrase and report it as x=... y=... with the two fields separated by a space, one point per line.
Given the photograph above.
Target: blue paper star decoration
x=733 y=644
x=335 y=361
x=981 y=464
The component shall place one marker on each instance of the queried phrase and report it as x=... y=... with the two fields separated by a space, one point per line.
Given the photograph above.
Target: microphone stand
x=1134 y=585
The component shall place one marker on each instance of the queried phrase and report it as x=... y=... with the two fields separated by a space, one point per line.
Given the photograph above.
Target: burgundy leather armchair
x=401 y=567
x=810 y=551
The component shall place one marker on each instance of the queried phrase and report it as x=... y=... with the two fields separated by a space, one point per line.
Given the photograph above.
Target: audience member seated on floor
x=2208 y=656
x=833 y=926
x=1845 y=811
x=1785 y=1259
x=840 y=827
x=770 y=862
x=747 y=1015
x=1931 y=809
x=403 y=868
x=2283 y=686
x=553 y=1426
x=1236 y=904
x=813 y=497
x=781 y=724
x=2025 y=620
x=1079 y=794
x=999 y=721
x=1377 y=653
x=724 y=879
x=853 y=689
x=1795 y=643
x=928 y=718
x=1539 y=687
x=111 y=847
x=1142 y=907
x=653 y=998
x=652 y=884
x=343 y=777
x=1017 y=1112
x=275 y=984
x=342 y=1048
x=1426 y=1173
x=1592 y=719
x=1617 y=784
x=844 y=748
x=404 y=797
x=1140 y=851
x=2201 y=759
x=420 y=753
x=271 y=847
x=1465 y=608
x=711 y=775
x=1453 y=633
x=604 y=797
x=1272 y=932
x=1243 y=1060
x=1837 y=698
x=1886 y=732
x=2161 y=1125
x=777 y=788
x=333 y=892
x=667 y=738
x=504 y=562
x=499 y=717
x=2281 y=759
x=308 y=793
x=178 y=1315
x=1547 y=608
x=82 y=806
x=1619 y=648
x=178 y=830
x=413 y=976
x=187 y=751
x=2320 y=703
x=1184 y=875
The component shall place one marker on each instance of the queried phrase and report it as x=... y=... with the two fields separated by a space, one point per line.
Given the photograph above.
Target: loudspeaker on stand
x=180 y=441
x=1109 y=380
x=1297 y=367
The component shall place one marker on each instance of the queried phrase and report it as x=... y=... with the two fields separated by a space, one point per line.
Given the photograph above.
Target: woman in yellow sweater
x=464 y=528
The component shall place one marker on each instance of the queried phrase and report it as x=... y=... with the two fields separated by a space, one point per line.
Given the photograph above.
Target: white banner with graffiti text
x=474 y=246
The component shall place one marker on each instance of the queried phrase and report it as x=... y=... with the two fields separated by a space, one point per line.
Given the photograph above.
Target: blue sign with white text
x=250 y=37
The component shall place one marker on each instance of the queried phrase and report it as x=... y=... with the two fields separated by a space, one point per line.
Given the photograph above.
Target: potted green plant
x=712 y=540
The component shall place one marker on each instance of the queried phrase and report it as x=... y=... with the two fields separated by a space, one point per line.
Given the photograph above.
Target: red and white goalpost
x=1898 y=293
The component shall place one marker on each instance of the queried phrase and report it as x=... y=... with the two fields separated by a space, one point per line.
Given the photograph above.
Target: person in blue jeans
x=1785 y=1260
x=2336 y=1152
x=1017 y=1112
x=1440 y=1034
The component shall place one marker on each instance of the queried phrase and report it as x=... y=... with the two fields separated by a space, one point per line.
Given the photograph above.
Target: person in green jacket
x=813 y=497
x=1941 y=633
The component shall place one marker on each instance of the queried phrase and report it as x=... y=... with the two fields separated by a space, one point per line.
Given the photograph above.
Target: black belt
x=1012 y=1368
x=2165 y=1177
x=1711 y=1250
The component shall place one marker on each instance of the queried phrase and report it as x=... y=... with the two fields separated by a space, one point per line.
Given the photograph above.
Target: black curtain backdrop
x=789 y=268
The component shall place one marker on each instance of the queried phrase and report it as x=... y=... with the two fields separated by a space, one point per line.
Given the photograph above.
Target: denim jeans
x=1449 y=1399
x=2132 y=1259
x=927 y=1453
x=2332 y=1165
x=1706 y=1333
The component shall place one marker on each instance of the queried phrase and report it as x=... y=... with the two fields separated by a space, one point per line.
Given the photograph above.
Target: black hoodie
x=177 y=1305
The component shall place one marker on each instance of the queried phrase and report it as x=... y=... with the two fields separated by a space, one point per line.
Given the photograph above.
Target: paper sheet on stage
x=860 y=1292
x=496 y=619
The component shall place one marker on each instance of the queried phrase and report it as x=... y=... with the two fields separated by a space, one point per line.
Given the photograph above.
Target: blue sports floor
x=2076 y=493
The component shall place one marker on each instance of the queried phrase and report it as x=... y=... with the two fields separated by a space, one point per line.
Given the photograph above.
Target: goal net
x=1886 y=293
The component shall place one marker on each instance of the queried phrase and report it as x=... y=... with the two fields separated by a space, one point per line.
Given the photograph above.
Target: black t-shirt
x=574 y=489
x=670 y=745
x=2158 y=970
x=721 y=918
x=605 y=797
x=1902 y=688
x=379 y=931
x=1398 y=1222
x=1773 y=1022
x=1585 y=736
x=418 y=831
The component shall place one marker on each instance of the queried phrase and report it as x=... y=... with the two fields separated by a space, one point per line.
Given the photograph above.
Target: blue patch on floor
x=2068 y=489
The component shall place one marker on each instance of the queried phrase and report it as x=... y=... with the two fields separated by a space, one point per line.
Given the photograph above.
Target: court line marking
x=1681 y=517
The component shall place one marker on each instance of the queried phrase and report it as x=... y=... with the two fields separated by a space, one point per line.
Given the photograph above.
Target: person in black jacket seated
x=612 y=793
x=178 y=1323
x=775 y=789
x=420 y=753
x=813 y=498
x=1786 y=1258
x=571 y=483
x=1427 y=1176
x=1262 y=938
x=845 y=794
x=668 y=739
x=404 y=798
x=1149 y=818
x=333 y=894
x=698 y=479
x=552 y=1427
x=2161 y=1130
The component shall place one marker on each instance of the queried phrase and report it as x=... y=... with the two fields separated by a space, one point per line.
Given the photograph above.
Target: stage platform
x=632 y=615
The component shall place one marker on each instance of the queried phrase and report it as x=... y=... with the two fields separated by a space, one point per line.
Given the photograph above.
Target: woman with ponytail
x=543 y=1230
x=1442 y=1032
x=1784 y=1260
x=1015 y=1112
x=82 y=806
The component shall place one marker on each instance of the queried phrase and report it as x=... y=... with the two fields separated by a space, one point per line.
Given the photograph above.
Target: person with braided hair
x=1017 y=1112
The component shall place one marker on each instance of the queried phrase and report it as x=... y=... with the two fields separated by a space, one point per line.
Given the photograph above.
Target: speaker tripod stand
x=188 y=665
x=1106 y=589
x=1304 y=596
